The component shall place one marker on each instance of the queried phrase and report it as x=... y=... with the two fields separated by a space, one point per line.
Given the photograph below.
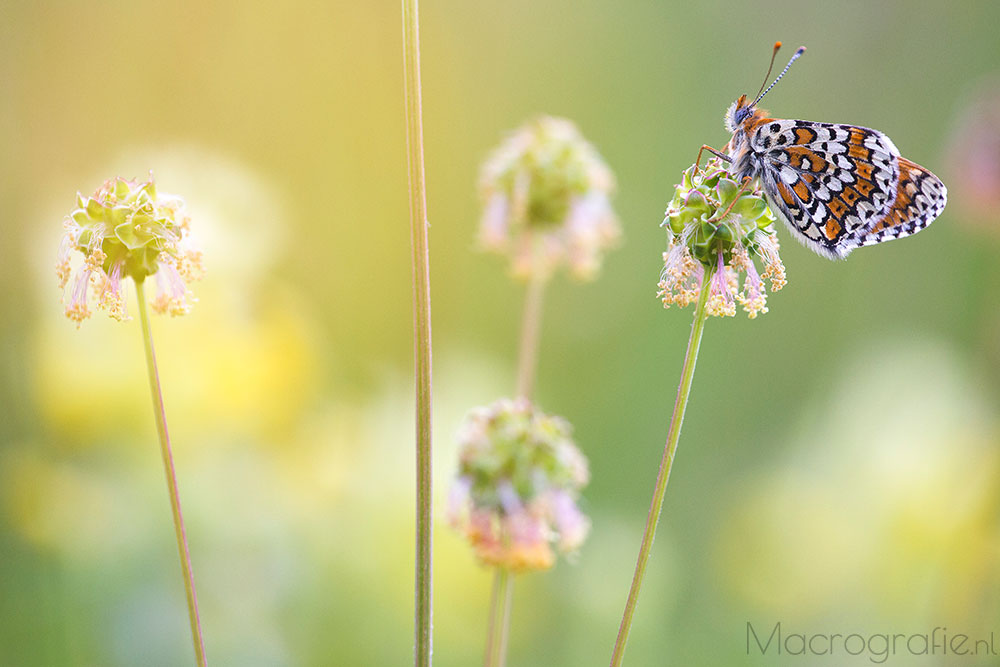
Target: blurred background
x=839 y=469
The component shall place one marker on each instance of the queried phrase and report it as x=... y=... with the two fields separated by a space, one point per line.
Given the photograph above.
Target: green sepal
x=687 y=178
x=82 y=218
x=724 y=233
x=129 y=236
x=710 y=179
x=765 y=220
x=122 y=189
x=727 y=190
x=96 y=210
x=750 y=207
x=697 y=202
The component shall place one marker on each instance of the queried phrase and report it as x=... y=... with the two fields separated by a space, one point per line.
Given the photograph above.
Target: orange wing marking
x=802 y=190
x=837 y=208
x=786 y=194
x=832 y=229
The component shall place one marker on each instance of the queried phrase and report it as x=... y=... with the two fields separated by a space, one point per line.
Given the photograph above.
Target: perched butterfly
x=837 y=187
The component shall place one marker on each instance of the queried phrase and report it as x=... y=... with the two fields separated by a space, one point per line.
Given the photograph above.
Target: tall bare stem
x=499 y=623
x=531 y=323
x=168 y=467
x=527 y=364
x=422 y=330
x=660 y=489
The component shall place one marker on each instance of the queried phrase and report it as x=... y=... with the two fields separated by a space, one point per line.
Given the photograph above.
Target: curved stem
x=423 y=609
x=168 y=468
x=499 y=622
x=659 y=490
x=531 y=322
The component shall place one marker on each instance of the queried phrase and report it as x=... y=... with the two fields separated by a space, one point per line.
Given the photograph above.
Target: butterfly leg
x=718 y=154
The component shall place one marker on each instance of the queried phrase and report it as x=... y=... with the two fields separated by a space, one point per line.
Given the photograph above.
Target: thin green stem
x=527 y=363
x=499 y=621
x=531 y=322
x=422 y=331
x=508 y=601
x=673 y=435
x=168 y=468
x=492 y=630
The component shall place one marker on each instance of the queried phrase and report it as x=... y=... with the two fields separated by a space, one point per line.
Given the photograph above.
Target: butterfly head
x=738 y=112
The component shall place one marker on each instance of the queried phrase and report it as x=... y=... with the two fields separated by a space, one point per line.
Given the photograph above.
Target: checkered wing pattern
x=920 y=197
x=833 y=184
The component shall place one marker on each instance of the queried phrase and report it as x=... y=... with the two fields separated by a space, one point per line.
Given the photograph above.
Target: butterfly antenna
x=777 y=45
x=798 y=52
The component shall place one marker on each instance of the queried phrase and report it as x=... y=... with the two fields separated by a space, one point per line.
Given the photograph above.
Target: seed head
x=126 y=229
x=715 y=224
x=519 y=478
x=546 y=201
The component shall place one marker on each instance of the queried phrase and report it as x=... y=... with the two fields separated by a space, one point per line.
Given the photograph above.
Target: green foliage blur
x=839 y=469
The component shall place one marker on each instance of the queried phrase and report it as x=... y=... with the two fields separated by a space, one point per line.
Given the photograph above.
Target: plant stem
x=168 y=468
x=527 y=362
x=530 y=329
x=500 y=605
x=673 y=435
x=422 y=331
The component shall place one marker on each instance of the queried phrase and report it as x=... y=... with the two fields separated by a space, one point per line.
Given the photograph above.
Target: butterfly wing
x=830 y=183
x=920 y=198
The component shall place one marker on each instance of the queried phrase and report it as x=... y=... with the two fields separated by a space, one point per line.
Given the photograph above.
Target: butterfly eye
x=741 y=114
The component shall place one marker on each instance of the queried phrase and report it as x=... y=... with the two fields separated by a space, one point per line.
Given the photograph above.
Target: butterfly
x=836 y=187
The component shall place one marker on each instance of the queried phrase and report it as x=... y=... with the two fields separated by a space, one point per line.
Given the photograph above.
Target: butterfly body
x=836 y=187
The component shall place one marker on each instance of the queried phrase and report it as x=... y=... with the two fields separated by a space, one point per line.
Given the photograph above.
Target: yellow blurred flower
x=65 y=509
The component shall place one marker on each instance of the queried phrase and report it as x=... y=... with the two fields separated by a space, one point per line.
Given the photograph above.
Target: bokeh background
x=839 y=469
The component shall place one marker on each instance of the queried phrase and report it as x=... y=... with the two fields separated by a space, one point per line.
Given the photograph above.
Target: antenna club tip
x=777 y=45
x=800 y=50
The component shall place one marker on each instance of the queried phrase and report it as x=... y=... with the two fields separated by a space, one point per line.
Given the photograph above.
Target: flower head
x=519 y=478
x=127 y=230
x=546 y=196
x=715 y=225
